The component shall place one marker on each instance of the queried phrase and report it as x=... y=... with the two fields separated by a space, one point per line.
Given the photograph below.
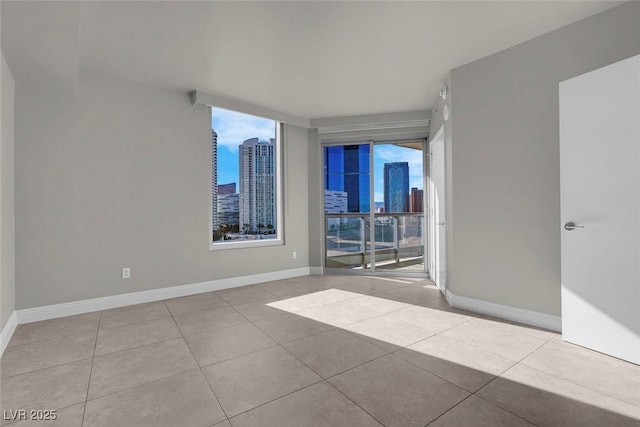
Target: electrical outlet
x=294 y=255
x=126 y=273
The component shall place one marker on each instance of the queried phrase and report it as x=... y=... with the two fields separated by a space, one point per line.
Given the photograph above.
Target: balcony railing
x=399 y=240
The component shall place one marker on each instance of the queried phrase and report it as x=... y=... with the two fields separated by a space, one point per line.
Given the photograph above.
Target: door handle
x=570 y=226
x=440 y=223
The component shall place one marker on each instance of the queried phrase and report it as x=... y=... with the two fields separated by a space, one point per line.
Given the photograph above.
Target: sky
x=233 y=128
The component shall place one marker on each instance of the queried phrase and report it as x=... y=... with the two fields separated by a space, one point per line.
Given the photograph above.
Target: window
x=245 y=180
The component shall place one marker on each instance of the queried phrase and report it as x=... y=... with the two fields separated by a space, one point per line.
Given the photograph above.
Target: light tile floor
x=310 y=351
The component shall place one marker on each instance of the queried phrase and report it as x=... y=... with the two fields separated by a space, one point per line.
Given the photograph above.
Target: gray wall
x=316 y=202
x=117 y=175
x=505 y=188
x=7 y=218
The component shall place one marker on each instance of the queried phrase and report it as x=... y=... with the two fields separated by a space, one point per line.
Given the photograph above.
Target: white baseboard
x=316 y=271
x=7 y=332
x=35 y=314
x=514 y=314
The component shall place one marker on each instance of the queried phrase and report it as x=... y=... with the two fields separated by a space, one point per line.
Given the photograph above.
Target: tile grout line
x=95 y=345
x=352 y=401
x=428 y=371
x=471 y=393
x=496 y=404
x=497 y=354
x=357 y=366
x=136 y=322
x=322 y=379
x=570 y=380
x=240 y=288
x=504 y=409
x=355 y=336
x=283 y=347
x=500 y=376
x=277 y=345
x=277 y=398
x=49 y=338
x=387 y=353
x=577 y=384
x=313 y=335
x=448 y=410
x=47 y=367
x=111 y=393
x=240 y=355
x=17 y=346
x=198 y=364
x=139 y=346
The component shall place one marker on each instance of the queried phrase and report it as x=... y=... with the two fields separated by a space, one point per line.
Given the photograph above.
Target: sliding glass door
x=374 y=206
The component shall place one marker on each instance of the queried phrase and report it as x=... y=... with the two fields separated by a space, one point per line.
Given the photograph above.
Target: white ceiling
x=310 y=59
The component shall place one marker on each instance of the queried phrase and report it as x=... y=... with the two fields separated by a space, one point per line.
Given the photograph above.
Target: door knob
x=570 y=226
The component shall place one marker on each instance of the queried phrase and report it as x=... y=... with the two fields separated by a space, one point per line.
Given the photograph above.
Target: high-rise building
x=227 y=188
x=228 y=204
x=214 y=180
x=335 y=201
x=257 y=201
x=396 y=187
x=229 y=209
x=347 y=170
x=416 y=200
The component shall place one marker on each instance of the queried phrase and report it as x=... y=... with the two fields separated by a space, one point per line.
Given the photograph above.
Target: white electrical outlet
x=294 y=255
x=126 y=273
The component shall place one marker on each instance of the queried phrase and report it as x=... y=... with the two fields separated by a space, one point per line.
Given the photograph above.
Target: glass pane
x=399 y=203
x=345 y=242
x=346 y=205
x=243 y=177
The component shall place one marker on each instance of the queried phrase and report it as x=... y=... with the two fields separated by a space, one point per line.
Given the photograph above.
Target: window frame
x=279 y=170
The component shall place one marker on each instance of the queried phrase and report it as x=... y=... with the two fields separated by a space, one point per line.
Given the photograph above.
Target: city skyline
x=242 y=154
x=233 y=128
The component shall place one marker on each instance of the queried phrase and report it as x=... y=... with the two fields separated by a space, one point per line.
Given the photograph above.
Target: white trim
x=373 y=126
x=244 y=244
x=370 y=122
x=7 y=332
x=316 y=271
x=520 y=315
x=199 y=97
x=96 y=304
x=449 y=297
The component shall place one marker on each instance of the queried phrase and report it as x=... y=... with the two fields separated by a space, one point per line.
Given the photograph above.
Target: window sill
x=245 y=245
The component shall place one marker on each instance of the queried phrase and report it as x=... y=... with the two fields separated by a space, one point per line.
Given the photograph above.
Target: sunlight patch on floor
x=466 y=350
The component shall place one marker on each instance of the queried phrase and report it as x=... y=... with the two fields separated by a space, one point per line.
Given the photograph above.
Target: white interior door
x=437 y=217
x=600 y=191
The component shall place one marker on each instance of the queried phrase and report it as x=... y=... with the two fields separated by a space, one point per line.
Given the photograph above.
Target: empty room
x=320 y=213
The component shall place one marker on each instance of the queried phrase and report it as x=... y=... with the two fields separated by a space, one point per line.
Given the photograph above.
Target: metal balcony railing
x=398 y=239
